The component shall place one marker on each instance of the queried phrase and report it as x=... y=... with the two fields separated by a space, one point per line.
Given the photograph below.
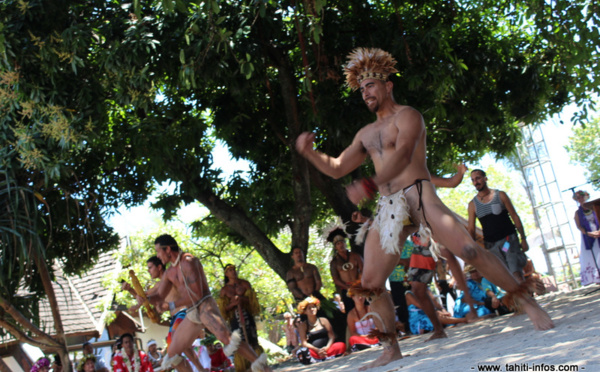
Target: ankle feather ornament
x=259 y=364
x=510 y=299
x=234 y=343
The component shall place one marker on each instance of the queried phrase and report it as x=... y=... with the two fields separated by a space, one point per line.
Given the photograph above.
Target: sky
x=568 y=175
x=143 y=218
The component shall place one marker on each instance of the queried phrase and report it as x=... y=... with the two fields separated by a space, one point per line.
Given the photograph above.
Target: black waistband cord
x=419 y=184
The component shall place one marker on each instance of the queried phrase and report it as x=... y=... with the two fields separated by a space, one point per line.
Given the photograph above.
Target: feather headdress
x=336 y=235
x=368 y=63
x=334 y=231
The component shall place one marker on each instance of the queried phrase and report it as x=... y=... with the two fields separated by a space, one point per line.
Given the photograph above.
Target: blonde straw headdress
x=310 y=300
x=368 y=63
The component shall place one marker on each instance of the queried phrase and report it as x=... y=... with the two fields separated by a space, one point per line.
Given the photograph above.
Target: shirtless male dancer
x=419 y=282
x=303 y=279
x=186 y=275
x=156 y=270
x=345 y=266
x=396 y=143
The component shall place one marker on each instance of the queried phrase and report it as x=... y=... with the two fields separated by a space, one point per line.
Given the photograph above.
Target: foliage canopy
x=102 y=100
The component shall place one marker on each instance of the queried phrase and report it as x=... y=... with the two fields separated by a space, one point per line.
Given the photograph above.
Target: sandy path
x=509 y=342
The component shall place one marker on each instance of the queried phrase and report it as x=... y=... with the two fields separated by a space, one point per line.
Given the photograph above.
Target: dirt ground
x=506 y=343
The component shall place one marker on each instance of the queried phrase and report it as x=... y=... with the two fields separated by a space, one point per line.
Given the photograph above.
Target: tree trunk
x=239 y=222
x=67 y=366
x=60 y=340
x=300 y=167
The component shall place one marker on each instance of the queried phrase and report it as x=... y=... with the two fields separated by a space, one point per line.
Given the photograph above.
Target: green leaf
x=215 y=6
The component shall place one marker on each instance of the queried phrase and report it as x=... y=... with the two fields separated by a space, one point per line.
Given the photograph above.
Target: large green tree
x=145 y=88
x=584 y=149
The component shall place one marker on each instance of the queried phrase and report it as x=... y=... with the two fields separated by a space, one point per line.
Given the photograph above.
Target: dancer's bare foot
x=390 y=354
x=436 y=335
x=540 y=319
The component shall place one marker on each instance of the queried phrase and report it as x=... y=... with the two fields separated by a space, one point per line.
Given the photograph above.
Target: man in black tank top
x=500 y=224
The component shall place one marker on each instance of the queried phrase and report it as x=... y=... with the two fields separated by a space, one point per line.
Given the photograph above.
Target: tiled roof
x=78 y=299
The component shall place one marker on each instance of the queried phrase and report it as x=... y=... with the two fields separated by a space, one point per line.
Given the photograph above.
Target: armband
x=369 y=186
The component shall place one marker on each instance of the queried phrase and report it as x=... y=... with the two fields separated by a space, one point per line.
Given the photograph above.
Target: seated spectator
x=419 y=322
x=87 y=364
x=359 y=328
x=291 y=335
x=297 y=321
x=493 y=299
x=41 y=365
x=337 y=300
x=461 y=309
x=57 y=364
x=316 y=335
x=154 y=355
x=201 y=352
x=100 y=363
x=218 y=360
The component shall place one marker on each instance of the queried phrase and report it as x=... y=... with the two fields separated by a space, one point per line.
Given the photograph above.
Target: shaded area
x=499 y=341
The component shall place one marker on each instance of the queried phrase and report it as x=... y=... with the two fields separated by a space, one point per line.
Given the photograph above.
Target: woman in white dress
x=589 y=257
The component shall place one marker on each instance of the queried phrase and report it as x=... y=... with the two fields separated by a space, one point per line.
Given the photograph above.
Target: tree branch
x=21 y=336
x=20 y=319
x=239 y=222
x=49 y=289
